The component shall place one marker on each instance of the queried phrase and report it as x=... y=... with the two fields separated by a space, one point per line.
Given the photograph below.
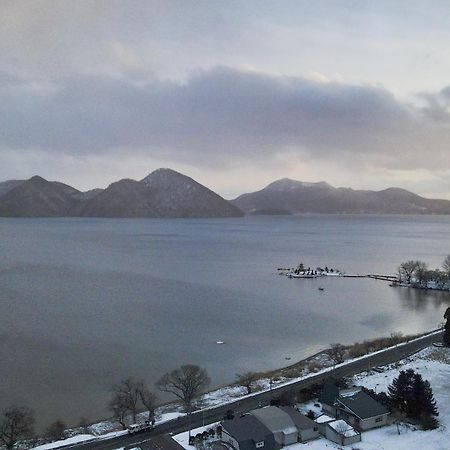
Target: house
x=307 y=429
x=341 y=432
x=362 y=411
x=247 y=433
x=354 y=406
x=279 y=423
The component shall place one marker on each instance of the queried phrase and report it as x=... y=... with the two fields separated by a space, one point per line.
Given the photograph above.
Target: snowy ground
x=434 y=365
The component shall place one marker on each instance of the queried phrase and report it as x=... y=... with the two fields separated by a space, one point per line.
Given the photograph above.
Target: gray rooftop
x=363 y=405
x=275 y=419
x=246 y=428
x=300 y=420
x=162 y=442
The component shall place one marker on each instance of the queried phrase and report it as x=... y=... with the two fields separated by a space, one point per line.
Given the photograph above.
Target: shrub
x=56 y=430
x=314 y=366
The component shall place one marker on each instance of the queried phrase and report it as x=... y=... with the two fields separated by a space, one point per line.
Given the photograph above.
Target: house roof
x=275 y=419
x=300 y=420
x=363 y=405
x=323 y=418
x=329 y=393
x=162 y=442
x=246 y=428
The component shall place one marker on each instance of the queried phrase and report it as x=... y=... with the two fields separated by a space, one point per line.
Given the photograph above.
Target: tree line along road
x=258 y=400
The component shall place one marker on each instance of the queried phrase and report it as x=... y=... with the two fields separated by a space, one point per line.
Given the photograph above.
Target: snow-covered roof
x=323 y=418
x=350 y=391
x=343 y=428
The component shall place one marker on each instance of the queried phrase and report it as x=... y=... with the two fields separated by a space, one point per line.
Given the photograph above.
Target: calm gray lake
x=87 y=302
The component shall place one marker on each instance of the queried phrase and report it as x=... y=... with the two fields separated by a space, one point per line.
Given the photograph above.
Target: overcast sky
x=235 y=94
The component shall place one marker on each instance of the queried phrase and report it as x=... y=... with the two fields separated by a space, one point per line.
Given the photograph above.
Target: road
x=200 y=418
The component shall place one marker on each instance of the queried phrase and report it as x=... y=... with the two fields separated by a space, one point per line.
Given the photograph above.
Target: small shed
x=322 y=421
x=247 y=433
x=279 y=423
x=340 y=432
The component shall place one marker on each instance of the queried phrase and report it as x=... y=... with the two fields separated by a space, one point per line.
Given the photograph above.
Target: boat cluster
x=301 y=271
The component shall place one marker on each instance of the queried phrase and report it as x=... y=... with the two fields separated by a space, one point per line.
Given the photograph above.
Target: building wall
x=333 y=436
x=307 y=435
x=373 y=422
x=364 y=424
x=279 y=438
x=290 y=438
x=227 y=438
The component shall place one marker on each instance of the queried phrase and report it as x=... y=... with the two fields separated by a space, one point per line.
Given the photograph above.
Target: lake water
x=87 y=302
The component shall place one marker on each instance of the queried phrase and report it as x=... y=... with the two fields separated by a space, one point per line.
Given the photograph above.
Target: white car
x=136 y=427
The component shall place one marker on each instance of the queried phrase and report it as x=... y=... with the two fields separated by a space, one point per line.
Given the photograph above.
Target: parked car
x=137 y=427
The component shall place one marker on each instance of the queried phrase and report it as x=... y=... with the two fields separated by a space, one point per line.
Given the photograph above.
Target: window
x=316 y=429
x=260 y=444
x=379 y=419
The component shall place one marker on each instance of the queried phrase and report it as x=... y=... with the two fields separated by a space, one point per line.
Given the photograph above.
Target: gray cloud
x=220 y=115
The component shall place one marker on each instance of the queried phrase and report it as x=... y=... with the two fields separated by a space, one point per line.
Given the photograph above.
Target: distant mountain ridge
x=166 y=193
x=163 y=193
x=288 y=196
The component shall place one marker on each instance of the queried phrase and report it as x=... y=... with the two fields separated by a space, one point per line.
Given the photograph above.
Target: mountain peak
x=162 y=172
x=36 y=179
x=288 y=184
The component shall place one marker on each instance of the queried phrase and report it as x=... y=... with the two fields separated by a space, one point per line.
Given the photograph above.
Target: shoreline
x=88 y=434
x=264 y=381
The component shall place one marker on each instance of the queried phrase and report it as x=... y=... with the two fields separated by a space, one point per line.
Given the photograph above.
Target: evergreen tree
x=429 y=407
x=380 y=397
x=412 y=396
x=400 y=391
x=446 y=337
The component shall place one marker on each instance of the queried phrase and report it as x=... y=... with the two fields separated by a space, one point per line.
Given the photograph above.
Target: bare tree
x=446 y=265
x=149 y=400
x=185 y=383
x=247 y=380
x=342 y=427
x=422 y=273
x=129 y=391
x=16 y=423
x=407 y=269
x=119 y=406
x=337 y=353
x=398 y=418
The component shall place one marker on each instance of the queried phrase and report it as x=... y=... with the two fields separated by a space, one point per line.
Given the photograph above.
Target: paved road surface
x=261 y=399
